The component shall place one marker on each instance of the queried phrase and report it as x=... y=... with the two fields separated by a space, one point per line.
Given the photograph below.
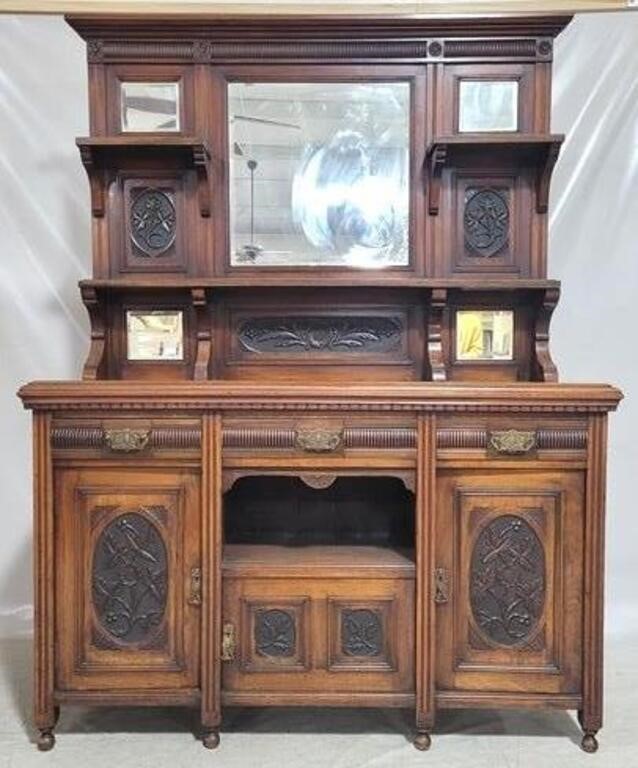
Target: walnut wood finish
x=335 y=521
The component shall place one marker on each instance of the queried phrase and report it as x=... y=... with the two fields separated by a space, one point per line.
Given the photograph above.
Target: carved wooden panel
x=128 y=543
x=130 y=578
x=486 y=221
x=317 y=334
x=363 y=633
x=507 y=580
x=273 y=634
x=152 y=223
x=513 y=547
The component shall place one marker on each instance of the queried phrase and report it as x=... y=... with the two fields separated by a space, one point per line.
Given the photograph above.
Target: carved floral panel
x=130 y=578
x=275 y=633
x=507 y=580
x=361 y=633
x=321 y=334
x=486 y=221
x=153 y=221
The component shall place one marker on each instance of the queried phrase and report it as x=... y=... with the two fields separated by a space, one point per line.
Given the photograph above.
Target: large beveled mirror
x=319 y=174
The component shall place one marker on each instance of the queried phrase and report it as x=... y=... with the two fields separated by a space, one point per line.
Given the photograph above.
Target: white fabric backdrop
x=45 y=250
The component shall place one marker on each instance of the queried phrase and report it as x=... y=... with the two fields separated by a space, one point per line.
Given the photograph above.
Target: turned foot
x=46 y=739
x=589 y=743
x=422 y=741
x=211 y=739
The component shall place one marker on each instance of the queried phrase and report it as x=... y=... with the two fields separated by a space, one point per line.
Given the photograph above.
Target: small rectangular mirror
x=155 y=335
x=484 y=334
x=149 y=107
x=488 y=105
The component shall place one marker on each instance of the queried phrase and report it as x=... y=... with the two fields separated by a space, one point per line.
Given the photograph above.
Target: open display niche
x=318 y=589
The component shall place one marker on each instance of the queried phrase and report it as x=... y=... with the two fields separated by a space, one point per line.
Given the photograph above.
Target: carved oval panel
x=130 y=578
x=275 y=633
x=507 y=580
x=486 y=221
x=361 y=633
x=153 y=222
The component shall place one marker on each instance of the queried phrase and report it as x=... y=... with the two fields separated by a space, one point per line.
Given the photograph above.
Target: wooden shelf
x=339 y=561
x=357 y=280
x=535 y=149
x=98 y=157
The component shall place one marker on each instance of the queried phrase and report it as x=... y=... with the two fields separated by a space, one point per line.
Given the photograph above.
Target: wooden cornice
x=221 y=395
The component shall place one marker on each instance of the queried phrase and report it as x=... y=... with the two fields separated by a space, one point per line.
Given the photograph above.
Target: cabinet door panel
x=322 y=635
x=127 y=550
x=511 y=546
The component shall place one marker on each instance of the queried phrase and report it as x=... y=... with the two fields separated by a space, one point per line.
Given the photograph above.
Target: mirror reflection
x=488 y=105
x=149 y=107
x=319 y=174
x=484 y=335
x=156 y=335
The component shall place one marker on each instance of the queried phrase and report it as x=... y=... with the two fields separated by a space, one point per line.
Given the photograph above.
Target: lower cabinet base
x=422 y=739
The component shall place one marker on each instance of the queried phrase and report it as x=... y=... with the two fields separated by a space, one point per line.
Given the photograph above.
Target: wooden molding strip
x=95 y=437
x=272 y=437
x=546 y=439
x=352 y=8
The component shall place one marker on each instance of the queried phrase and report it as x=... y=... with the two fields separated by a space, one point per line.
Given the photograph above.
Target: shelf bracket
x=97 y=181
x=544 y=177
x=545 y=368
x=437 y=159
x=436 y=356
x=203 y=349
x=94 y=365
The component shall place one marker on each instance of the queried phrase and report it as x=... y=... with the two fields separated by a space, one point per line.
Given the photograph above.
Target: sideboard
x=319 y=454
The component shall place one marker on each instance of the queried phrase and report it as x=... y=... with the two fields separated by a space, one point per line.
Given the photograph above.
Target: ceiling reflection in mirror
x=319 y=174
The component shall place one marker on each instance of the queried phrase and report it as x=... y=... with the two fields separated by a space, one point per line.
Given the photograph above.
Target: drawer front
x=334 y=636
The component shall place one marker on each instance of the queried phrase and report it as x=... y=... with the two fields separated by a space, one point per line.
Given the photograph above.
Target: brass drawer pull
x=228 y=642
x=319 y=440
x=441 y=586
x=126 y=440
x=512 y=442
x=195 y=597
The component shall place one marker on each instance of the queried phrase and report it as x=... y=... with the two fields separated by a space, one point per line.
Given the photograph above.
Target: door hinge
x=195 y=597
x=441 y=586
x=228 y=642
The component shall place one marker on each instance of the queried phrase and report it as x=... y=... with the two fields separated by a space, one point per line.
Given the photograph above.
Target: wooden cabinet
x=509 y=566
x=319 y=454
x=128 y=581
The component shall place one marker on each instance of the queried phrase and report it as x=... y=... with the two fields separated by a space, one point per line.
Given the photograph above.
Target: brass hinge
x=441 y=586
x=195 y=597
x=228 y=642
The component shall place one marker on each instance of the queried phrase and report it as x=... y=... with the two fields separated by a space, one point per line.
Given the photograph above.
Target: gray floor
x=112 y=738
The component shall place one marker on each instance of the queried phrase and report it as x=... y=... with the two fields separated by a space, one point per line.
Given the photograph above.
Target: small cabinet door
x=509 y=559
x=336 y=637
x=127 y=579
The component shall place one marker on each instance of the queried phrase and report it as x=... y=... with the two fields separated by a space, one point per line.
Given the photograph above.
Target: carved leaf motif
x=153 y=222
x=130 y=578
x=486 y=221
x=275 y=633
x=313 y=334
x=361 y=633
x=507 y=580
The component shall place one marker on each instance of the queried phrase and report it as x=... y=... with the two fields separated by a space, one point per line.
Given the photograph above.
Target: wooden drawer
x=327 y=622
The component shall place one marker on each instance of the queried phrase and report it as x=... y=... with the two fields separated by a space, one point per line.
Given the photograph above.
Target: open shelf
x=101 y=154
x=343 y=561
x=517 y=149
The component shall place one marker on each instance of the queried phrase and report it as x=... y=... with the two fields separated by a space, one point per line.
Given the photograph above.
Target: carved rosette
x=507 y=580
x=130 y=579
x=486 y=221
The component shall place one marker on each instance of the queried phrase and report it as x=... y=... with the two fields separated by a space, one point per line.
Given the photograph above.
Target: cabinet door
x=509 y=581
x=127 y=591
x=295 y=638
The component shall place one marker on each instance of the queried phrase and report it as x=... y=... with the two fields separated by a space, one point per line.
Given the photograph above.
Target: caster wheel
x=589 y=743
x=422 y=741
x=46 y=740
x=211 y=740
